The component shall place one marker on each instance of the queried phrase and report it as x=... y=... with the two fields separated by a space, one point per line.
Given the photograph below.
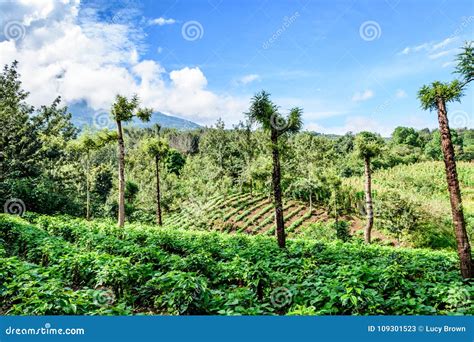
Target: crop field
x=244 y=213
x=63 y=265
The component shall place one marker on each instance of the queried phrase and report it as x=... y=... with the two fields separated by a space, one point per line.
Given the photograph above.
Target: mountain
x=167 y=121
x=83 y=115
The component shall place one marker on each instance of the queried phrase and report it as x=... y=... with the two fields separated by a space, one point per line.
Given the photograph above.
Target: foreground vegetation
x=64 y=265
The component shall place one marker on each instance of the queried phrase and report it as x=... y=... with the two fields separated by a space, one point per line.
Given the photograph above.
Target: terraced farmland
x=245 y=213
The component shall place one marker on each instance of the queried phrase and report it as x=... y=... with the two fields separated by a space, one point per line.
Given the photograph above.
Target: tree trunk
x=464 y=248
x=251 y=186
x=158 y=199
x=276 y=175
x=121 y=171
x=88 y=196
x=368 y=200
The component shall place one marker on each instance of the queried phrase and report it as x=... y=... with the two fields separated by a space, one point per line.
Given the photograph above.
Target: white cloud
x=442 y=54
x=84 y=59
x=447 y=64
x=443 y=43
x=400 y=94
x=363 y=96
x=429 y=46
x=248 y=79
x=162 y=21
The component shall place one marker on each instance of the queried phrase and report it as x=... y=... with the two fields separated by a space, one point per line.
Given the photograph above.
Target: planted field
x=243 y=213
x=62 y=265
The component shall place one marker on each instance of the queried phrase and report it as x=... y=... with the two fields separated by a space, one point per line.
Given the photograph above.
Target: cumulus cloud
x=162 y=21
x=363 y=96
x=67 y=51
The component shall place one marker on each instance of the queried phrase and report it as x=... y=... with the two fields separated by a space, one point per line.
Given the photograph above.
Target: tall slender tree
x=157 y=148
x=367 y=146
x=435 y=97
x=265 y=112
x=124 y=110
x=85 y=144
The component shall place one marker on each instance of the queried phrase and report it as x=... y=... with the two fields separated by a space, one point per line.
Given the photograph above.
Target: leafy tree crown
x=124 y=109
x=368 y=144
x=265 y=112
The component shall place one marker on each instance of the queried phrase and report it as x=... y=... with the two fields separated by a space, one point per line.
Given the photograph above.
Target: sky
x=352 y=65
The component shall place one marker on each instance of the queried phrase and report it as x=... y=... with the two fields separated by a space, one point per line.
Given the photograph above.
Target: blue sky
x=351 y=65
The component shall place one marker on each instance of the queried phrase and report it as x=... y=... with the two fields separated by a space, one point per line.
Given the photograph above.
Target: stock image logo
x=102 y=119
x=192 y=30
x=370 y=30
x=281 y=297
x=460 y=119
x=14 y=206
x=14 y=30
x=278 y=122
x=104 y=297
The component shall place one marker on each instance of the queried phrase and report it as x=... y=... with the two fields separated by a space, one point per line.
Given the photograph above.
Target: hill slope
x=254 y=214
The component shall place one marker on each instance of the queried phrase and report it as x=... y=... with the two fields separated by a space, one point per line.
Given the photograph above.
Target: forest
x=262 y=218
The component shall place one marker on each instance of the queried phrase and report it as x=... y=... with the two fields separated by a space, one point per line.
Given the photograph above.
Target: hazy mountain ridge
x=82 y=115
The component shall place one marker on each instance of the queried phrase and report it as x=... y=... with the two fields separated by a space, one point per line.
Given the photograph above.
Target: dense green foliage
x=411 y=201
x=61 y=265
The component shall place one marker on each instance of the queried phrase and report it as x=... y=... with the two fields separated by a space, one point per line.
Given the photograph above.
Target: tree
x=435 y=97
x=246 y=146
x=85 y=145
x=157 y=148
x=124 y=110
x=406 y=136
x=367 y=146
x=265 y=112
x=19 y=143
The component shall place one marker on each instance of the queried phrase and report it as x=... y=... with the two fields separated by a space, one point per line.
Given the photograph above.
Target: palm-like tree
x=124 y=110
x=435 y=97
x=367 y=146
x=265 y=112
x=157 y=148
